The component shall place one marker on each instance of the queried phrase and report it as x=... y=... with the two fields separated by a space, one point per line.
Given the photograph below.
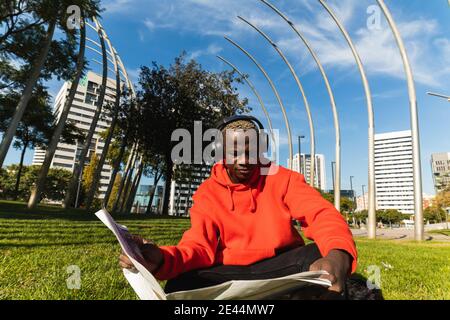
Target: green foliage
x=434 y=214
x=173 y=98
x=55 y=183
x=347 y=204
x=442 y=199
x=390 y=216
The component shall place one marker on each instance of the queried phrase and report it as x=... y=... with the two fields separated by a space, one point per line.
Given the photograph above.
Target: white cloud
x=427 y=48
x=212 y=49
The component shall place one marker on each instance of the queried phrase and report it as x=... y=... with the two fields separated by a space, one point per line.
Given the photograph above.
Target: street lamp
x=439 y=95
x=351 y=188
x=300 y=169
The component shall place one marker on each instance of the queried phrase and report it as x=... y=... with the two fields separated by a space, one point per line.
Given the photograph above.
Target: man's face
x=241 y=154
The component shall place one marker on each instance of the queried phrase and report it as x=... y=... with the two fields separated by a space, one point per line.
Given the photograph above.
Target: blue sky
x=143 y=31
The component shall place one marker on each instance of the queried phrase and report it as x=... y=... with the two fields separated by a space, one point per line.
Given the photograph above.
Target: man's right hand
x=152 y=255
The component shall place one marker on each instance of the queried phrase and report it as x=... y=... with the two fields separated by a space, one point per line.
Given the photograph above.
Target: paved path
x=400 y=233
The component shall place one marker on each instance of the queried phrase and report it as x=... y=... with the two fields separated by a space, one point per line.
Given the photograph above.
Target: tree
x=434 y=214
x=50 y=152
x=155 y=170
x=54 y=186
x=53 y=57
x=35 y=127
x=176 y=97
x=442 y=199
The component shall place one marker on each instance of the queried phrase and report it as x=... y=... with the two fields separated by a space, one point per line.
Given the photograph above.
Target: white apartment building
x=394 y=171
x=440 y=167
x=320 y=172
x=180 y=200
x=81 y=113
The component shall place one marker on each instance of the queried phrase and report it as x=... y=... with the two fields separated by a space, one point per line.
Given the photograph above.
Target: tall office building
x=181 y=193
x=394 y=171
x=320 y=172
x=81 y=113
x=440 y=167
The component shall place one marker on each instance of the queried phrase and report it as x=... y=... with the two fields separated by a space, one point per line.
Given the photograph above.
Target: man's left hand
x=337 y=263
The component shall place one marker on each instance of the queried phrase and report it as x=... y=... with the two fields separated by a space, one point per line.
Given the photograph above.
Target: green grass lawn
x=36 y=248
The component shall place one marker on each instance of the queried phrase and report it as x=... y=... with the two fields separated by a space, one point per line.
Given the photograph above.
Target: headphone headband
x=224 y=122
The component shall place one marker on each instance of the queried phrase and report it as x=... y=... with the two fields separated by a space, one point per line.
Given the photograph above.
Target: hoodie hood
x=252 y=187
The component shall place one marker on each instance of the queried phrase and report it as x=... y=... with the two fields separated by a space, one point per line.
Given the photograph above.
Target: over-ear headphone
x=226 y=121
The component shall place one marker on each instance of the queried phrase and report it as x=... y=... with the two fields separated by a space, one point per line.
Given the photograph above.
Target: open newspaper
x=147 y=287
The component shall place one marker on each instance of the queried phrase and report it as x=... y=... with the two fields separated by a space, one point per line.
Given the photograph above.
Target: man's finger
x=316 y=266
x=336 y=287
x=124 y=258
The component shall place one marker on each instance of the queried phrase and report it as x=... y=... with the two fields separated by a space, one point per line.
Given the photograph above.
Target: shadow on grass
x=19 y=210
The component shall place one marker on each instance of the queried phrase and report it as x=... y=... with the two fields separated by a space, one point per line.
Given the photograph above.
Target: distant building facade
x=440 y=168
x=181 y=193
x=394 y=171
x=81 y=113
x=320 y=180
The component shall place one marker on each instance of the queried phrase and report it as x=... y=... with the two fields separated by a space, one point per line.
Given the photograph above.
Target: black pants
x=292 y=261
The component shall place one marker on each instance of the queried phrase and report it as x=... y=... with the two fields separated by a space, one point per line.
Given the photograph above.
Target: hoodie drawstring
x=252 y=201
x=231 y=198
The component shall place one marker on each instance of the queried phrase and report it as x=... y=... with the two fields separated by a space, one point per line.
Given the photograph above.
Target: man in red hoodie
x=241 y=225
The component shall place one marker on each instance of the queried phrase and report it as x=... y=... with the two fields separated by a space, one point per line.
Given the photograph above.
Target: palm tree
x=51 y=149
x=27 y=92
x=54 y=14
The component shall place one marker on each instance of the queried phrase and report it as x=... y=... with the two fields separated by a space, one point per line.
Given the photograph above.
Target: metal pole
x=363 y=196
x=417 y=174
x=351 y=188
x=258 y=96
x=300 y=169
x=371 y=228
x=332 y=174
x=337 y=187
x=275 y=91
x=302 y=91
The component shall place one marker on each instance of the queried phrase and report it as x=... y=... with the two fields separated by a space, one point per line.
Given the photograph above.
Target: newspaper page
x=147 y=287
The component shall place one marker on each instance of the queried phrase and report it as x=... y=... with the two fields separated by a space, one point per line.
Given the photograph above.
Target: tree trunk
x=19 y=172
x=116 y=169
x=134 y=189
x=26 y=94
x=128 y=183
x=168 y=182
x=51 y=149
x=98 y=169
x=73 y=182
x=124 y=178
x=152 y=195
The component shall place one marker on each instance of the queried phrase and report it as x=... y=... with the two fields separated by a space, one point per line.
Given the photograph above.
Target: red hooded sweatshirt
x=240 y=224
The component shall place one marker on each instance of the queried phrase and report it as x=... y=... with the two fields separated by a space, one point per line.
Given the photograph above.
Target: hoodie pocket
x=245 y=256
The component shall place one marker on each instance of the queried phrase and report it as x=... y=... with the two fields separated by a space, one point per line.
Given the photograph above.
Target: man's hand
x=337 y=263
x=152 y=255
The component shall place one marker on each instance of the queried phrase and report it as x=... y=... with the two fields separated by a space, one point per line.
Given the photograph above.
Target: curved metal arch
x=274 y=89
x=371 y=230
x=255 y=91
x=417 y=170
x=98 y=169
x=337 y=179
x=305 y=101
